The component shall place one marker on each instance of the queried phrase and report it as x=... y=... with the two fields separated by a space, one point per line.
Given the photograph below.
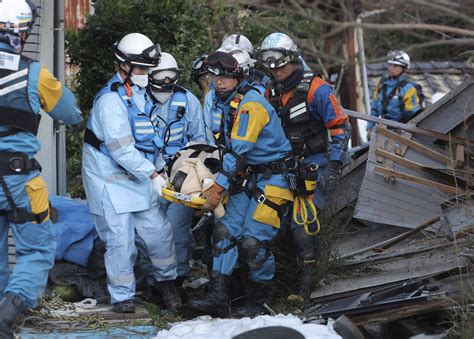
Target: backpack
x=397 y=89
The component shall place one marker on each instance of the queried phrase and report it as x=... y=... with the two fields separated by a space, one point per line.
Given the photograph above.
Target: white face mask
x=162 y=97
x=139 y=80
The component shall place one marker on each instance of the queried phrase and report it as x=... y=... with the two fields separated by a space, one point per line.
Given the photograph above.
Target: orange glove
x=213 y=197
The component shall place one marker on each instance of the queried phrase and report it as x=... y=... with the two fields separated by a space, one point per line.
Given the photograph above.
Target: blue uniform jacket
x=109 y=120
x=190 y=127
x=403 y=104
x=256 y=133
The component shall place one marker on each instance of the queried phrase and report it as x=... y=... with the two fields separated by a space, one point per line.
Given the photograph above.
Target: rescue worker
x=121 y=172
x=395 y=98
x=177 y=113
x=315 y=124
x=26 y=86
x=199 y=75
x=255 y=158
x=213 y=113
x=233 y=42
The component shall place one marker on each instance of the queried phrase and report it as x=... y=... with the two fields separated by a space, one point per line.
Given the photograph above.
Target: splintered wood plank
x=402 y=148
x=421 y=181
x=105 y=312
x=415 y=146
x=388 y=162
x=459 y=155
x=421 y=168
x=380 y=141
x=390 y=314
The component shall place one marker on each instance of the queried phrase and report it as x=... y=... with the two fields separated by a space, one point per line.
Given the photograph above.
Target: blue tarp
x=75 y=230
x=135 y=332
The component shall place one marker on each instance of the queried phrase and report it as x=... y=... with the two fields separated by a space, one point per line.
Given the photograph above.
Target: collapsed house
x=413 y=254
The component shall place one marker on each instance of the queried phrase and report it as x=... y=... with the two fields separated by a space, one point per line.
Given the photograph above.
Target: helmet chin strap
x=128 y=74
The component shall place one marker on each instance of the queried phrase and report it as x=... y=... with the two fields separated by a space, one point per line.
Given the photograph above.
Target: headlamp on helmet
x=275 y=57
x=17 y=16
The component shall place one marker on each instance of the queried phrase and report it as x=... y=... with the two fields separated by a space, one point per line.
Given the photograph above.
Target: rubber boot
x=306 y=251
x=306 y=276
x=257 y=295
x=178 y=282
x=127 y=306
x=216 y=300
x=170 y=294
x=11 y=307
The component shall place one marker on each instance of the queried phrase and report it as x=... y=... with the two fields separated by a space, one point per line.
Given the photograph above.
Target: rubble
x=412 y=255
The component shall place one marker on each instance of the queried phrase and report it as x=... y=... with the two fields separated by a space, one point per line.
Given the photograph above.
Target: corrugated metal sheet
x=32 y=46
x=75 y=12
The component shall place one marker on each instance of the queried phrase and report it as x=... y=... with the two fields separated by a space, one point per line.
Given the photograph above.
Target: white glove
x=158 y=183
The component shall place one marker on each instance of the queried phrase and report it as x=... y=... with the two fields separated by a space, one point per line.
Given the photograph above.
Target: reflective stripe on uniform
x=121 y=279
x=14 y=87
x=163 y=262
x=117 y=177
x=178 y=103
x=297 y=110
x=176 y=137
x=13 y=76
x=176 y=130
x=121 y=142
x=145 y=131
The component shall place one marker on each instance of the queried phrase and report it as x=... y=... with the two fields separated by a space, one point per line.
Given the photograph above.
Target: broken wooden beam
x=417 y=146
x=433 y=184
x=410 y=128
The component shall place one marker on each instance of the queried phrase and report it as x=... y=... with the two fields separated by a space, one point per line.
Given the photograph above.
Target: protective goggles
x=149 y=57
x=274 y=58
x=165 y=78
x=222 y=64
x=198 y=64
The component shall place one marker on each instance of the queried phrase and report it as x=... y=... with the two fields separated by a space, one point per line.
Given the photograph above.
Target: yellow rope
x=300 y=206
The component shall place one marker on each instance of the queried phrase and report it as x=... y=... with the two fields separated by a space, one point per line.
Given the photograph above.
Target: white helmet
x=399 y=58
x=277 y=50
x=165 y=76
x=238 y=41
x=16 y=16
x=246 y=63
x=137 y=49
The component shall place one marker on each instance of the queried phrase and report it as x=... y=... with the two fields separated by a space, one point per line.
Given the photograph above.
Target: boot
x=11 y=307
x=126 y=306
x=306 y=277
x=170 y=294
x=257 y=295
x=178 y=282
x=306 y=250
x=216 y=300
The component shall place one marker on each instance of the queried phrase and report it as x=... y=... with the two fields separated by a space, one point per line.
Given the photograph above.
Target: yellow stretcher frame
x=183 y=199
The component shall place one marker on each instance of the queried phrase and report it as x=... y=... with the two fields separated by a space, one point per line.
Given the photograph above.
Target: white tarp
x=209 y=328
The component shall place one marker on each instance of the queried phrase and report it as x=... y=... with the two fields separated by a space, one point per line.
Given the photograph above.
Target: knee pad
x=219 y=233
x=305 y=244
x=249 y=248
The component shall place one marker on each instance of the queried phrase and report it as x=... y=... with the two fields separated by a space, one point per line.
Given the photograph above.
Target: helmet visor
x=273 y=58
x=150 y=57
x=198 y=64
x=165 y=79
x=221 y=63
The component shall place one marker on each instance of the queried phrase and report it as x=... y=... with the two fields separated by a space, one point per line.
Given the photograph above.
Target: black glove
x=331 y=176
